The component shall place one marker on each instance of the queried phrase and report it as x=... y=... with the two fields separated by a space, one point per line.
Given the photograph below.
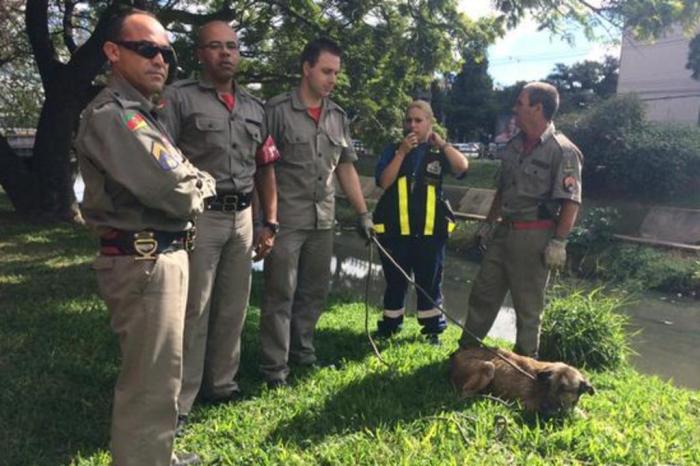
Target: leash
x=369 y=334
x=373 y=238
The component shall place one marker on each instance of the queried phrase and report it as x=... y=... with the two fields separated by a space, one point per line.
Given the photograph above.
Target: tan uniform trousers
x=513 y=261
x=297 y=281
x=146 y=301
x=220 y=268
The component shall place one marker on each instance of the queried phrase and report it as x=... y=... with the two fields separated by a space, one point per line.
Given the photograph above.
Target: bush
x=601 y=133
x=624 y=154
x=584 y=329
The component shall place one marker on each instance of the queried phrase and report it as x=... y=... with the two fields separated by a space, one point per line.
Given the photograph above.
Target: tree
x=470 y=108
x=393 y=50
x=585 y=82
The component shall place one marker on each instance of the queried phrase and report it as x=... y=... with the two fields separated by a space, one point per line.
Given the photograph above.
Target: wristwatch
x=272 y=226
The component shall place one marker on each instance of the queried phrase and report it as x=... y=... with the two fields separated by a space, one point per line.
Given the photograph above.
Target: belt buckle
x=190 y=235
x=229 y=203
x=145 y=246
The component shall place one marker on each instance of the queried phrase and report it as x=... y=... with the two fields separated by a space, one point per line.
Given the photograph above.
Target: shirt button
x=320 y=155
x=319 y=178
x=234 y=145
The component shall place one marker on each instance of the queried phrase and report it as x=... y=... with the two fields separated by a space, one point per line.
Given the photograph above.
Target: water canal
x=667 y=344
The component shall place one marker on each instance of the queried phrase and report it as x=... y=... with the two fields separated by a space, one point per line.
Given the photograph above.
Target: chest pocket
x=336 y=145
x=249 y=139
x=298 y=149
x=213 y=130
x=535 y=179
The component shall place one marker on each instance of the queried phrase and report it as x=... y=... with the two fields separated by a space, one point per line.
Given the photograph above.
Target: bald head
x=217 y=51
x=137 y=49
x=212 y=28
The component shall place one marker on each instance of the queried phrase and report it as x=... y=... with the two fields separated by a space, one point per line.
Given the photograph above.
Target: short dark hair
x=545 y=94
x=314 y=48
x=116 y=25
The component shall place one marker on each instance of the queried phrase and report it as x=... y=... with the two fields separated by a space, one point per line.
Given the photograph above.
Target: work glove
x=365 y=226
x=484 y=234
x=555 y=254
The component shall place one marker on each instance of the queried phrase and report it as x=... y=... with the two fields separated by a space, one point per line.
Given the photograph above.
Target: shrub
x=624 y=154
x=601 y=133
x=584 y=329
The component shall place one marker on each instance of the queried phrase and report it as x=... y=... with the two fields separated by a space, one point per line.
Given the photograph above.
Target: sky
x=525 y=54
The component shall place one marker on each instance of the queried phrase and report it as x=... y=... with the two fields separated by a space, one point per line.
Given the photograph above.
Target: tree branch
x=196 y=19
x=37 y=27
x=68 y=26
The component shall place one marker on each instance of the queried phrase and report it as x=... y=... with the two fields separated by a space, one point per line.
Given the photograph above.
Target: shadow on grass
x=383 y=399
x=58 y=363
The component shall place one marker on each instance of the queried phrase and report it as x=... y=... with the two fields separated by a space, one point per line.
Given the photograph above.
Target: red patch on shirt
x=228 y=99
x=314 y=113
x=267 y=153
x=570 y=184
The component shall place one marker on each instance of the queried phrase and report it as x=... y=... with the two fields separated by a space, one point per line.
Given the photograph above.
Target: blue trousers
x=422 y=256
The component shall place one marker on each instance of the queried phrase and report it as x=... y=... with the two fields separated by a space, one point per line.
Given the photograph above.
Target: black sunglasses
x=149 y=50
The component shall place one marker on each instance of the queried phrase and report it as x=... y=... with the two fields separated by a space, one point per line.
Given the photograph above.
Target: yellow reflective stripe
x=429 y=211
x=451 y=226
x=379 y=228
x=403 y=207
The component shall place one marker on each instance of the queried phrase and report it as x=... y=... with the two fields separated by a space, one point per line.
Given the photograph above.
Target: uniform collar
x=204 y=84
x=544 y=137
x=127 y=94
x=298 y=104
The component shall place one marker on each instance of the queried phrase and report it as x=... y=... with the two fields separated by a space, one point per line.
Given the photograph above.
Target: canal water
x=667 y=344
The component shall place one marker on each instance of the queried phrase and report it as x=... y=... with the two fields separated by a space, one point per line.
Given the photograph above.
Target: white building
x=656 y=72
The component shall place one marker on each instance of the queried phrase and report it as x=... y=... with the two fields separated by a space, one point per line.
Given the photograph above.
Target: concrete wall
x=656 y=72
x=658 y=225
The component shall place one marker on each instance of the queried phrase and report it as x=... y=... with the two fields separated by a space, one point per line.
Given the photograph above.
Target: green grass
x=59 y=361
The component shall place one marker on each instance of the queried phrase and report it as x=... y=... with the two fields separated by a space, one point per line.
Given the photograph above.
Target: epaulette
x=278 y=99
x=333 y=106
x=245 y=92
x=184 y=82
x=565 y=144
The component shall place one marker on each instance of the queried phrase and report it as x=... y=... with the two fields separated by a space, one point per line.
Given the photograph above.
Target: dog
x=553 y=388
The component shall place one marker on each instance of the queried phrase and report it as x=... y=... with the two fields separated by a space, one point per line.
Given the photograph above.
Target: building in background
x=656 y=72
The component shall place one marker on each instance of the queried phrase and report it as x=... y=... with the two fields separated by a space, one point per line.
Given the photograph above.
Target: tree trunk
x=52 y=148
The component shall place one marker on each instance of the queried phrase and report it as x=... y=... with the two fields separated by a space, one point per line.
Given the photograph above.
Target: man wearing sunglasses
x=221 y=128
x=142 y=197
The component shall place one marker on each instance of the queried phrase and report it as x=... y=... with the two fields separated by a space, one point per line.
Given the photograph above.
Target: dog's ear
x=544 y=377
x=585 y=387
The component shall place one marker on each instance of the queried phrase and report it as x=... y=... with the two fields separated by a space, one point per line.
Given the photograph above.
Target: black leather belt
x=230 y=202
x=146 y=244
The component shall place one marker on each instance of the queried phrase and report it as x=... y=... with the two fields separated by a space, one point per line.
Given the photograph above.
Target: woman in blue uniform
x=413 y=221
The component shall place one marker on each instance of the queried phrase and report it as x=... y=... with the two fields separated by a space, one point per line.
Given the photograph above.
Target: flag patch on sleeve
x=134 y=121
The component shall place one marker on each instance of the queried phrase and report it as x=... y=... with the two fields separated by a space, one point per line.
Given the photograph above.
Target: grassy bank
x=59 y=361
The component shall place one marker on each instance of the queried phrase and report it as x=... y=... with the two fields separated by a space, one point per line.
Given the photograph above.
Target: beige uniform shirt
x=537 y=181
x=135 y=178
x=219 y=141
x=309 y=155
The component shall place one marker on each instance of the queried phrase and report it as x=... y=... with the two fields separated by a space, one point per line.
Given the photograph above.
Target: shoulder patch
x=167 y=156
x=134 y=120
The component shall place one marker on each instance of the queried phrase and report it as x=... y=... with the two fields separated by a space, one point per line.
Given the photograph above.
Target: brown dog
x=553 y=388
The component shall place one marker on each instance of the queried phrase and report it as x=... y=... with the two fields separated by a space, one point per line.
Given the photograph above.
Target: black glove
x=365 y=226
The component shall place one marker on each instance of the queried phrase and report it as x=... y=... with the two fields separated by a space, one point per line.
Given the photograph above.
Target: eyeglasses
x=217 y=46
x=149 y=50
